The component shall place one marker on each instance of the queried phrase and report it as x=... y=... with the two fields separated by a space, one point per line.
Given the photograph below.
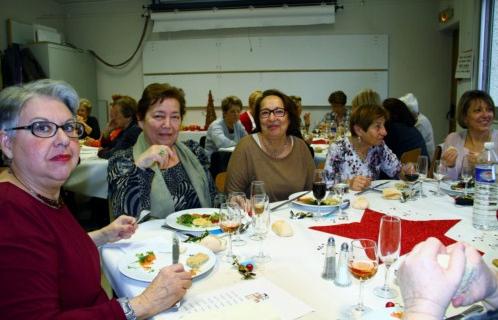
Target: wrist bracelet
x=127 y=309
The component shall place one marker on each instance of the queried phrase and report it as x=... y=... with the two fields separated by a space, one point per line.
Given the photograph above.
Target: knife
x=175 y=249
x=474 y=309
x=290 y=200
x=373 y=188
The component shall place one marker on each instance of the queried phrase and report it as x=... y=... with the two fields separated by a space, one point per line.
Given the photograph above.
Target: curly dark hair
x=289 y=106
x=338 y=97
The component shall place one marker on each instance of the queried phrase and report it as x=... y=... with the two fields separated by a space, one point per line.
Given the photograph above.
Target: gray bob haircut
x=13 y=99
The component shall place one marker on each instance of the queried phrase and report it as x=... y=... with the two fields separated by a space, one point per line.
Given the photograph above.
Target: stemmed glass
x=389 y=245
x=239 y=198
x=440 y=171
x=258 y=195
x=411 y=176
x=467 y=172
x=229 y=223
x=261 y=224
x=363 y=263
x=341 y=186
x=319 y=188
x=423 y=169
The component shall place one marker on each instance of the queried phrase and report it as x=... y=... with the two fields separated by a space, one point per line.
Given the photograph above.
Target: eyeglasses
x=277 y=112
x=47 y=129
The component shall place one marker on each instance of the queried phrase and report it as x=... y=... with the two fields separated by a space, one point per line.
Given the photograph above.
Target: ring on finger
x=162 y=152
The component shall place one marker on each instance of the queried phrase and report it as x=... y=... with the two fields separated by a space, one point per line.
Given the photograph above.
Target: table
x=297 y=261
x=90 y=175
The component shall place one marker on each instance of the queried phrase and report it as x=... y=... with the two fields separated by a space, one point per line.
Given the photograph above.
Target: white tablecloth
x=90 y=175
x=297 y=261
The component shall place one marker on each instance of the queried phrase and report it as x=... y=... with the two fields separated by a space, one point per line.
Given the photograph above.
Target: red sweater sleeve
x=49 y=267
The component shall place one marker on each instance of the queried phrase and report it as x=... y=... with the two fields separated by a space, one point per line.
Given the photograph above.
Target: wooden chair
x=437 y=156
x=220 y=181
x=410 y=155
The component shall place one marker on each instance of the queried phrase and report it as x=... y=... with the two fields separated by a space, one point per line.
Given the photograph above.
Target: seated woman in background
x=160 y=173
x=272 y=154
x=360 y=158
x=49 y=266
x=475 y=113
x=90 y=123
x=226 y=132
x=122 y=131
x=402 y=135
x=247 y=118
x=367 y=96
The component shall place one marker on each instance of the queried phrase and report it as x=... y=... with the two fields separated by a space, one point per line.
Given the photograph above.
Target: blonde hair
x=85 y=103
x=367 y=96
x=253 y=97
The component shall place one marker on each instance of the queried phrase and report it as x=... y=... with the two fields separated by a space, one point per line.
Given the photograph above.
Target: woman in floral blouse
x=361 y=157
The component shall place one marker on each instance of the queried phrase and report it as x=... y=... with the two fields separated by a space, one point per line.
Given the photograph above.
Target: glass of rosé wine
x=229 y=222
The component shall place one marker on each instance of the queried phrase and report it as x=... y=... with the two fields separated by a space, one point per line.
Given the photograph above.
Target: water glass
x=467 y=172
x=440 y=171
x=423 y=169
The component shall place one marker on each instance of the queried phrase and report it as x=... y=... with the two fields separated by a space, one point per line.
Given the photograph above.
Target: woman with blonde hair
x=90 y=123
x=367 y=96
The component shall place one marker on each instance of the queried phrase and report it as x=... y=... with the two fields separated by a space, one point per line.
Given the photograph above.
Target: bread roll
x=360 y=202
x=213 y=243
x=391 y=194
x=282 y=228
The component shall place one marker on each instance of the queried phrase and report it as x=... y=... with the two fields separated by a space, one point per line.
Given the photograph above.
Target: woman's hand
x=426 y=286
x=359 y=183
x=169 y=286
x=122 y=228
x=159 y=154
x=450 y=156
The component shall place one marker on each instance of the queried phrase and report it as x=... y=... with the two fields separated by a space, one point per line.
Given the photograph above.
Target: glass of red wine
x=319 y=188
x=363 y=263
x=411 y=175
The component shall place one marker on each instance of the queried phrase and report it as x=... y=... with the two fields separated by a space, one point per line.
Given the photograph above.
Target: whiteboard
x=309 y=66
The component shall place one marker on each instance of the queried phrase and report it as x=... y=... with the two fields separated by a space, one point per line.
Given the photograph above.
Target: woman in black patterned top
x=160 y=173
x=361 y=157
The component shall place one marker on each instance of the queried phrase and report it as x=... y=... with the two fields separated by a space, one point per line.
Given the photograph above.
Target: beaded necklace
x=56 y=204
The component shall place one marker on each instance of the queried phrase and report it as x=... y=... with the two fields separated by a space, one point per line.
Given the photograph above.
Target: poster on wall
x=464 y=65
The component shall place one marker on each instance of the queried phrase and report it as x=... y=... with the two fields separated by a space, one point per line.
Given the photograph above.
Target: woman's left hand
x=122 y=228
x=359 y=183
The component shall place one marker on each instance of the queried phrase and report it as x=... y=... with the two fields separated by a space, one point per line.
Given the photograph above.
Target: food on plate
x=462 y=200
x=391 y=194
x=401 y=186
x=213 y=243
x=460 y=185
x=146 y=260
x=360 y=202
x=444 y=260
x=198 y=219
x=310 y=200
x=282 y=228
x=196 y=261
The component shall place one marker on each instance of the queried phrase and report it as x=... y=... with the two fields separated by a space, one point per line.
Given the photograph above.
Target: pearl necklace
x=56 y=204
x=274 y=153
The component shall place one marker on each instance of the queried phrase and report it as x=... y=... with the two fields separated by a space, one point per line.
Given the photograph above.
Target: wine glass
x=467 y=172
x=258 y=198
x=423 y=169
x=229 y=223
x=411 y=176
x=319 y=188
x=389 y=246
x=340 y=187
x=261 y=225
x=239 y=198
x=440 y=171
x=363 y=263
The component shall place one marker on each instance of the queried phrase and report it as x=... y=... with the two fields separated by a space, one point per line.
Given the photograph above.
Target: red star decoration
x=412 y=232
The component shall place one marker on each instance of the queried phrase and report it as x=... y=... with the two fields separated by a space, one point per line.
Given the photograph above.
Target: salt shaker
x=329 y=267
x=343 y=278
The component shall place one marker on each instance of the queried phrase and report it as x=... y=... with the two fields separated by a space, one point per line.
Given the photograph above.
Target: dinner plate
x=312 y=207
x=129 y=266
x=446 y=187
x=171 y=219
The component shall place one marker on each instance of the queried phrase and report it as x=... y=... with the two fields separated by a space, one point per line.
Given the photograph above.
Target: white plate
x=310 y=207
x=130 y=267
x=171 y=219
x=446 y=187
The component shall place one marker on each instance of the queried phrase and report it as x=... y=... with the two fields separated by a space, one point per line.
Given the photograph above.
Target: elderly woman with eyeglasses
x=49 y=266
x=274 y=153
x=160 y=173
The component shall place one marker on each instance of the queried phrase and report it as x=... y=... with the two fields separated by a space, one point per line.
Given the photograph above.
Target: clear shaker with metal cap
x=329 y=266
x=343 y=278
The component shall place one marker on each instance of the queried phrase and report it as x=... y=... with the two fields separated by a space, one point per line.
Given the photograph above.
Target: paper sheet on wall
x=252 y=299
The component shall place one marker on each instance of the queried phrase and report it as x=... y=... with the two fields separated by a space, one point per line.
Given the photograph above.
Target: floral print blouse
x=343 y=159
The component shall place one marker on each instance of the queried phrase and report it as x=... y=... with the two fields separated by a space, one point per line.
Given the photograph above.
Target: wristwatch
x=127 y=309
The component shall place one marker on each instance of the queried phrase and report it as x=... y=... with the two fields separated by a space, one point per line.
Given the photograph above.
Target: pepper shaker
x=329 y=266
x=343 y=278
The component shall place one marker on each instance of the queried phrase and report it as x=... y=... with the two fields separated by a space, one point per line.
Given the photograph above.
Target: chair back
x=220 y=181
x=202 y=141
x=410 y=155
x=219 y=162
